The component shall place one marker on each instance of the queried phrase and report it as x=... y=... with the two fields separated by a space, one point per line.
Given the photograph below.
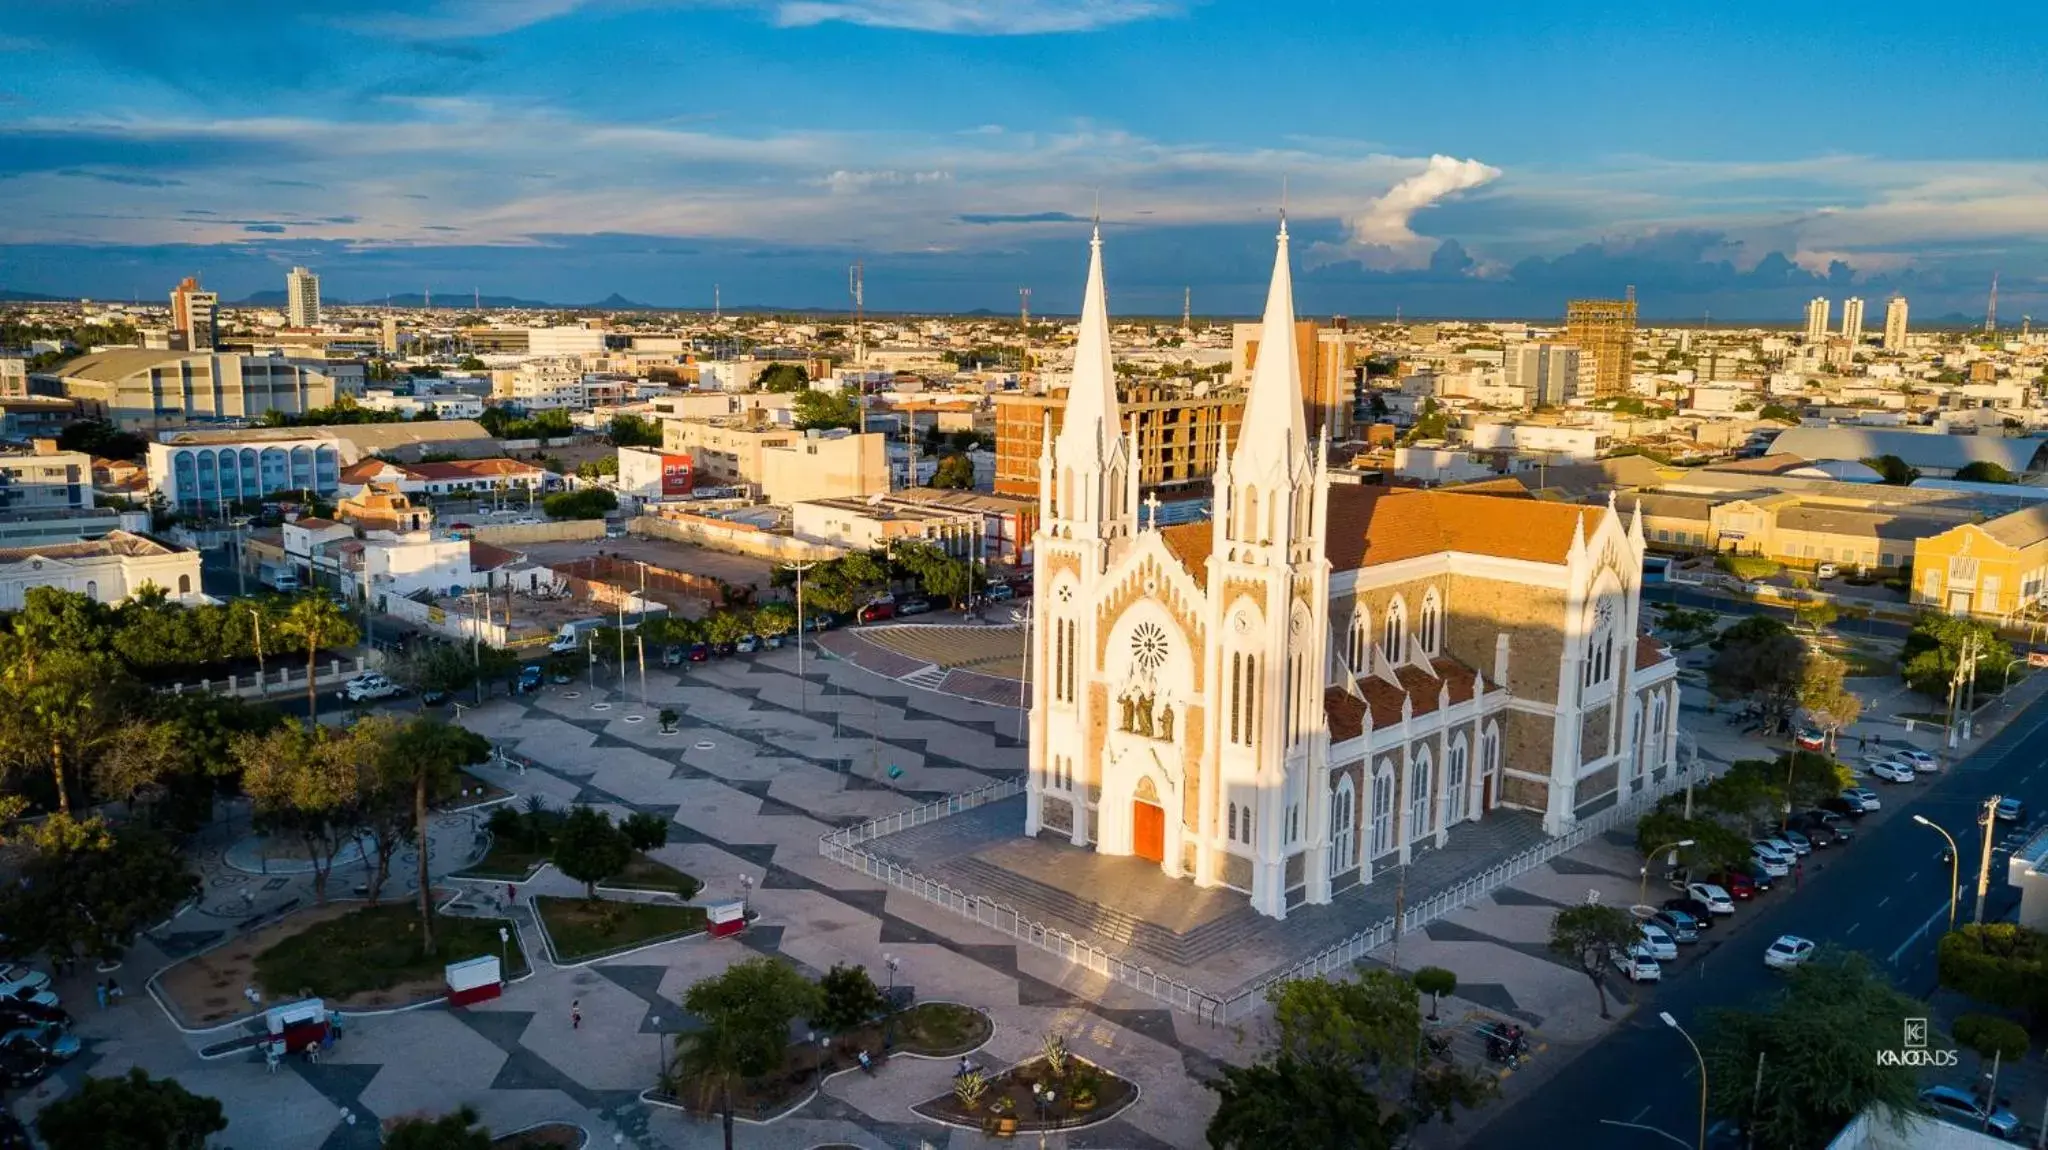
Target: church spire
x=1273 y=429
x=1092 y=427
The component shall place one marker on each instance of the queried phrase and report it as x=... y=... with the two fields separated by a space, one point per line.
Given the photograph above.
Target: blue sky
x=1483 y=158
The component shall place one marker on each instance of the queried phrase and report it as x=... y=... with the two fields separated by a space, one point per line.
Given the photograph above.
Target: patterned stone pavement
x=761 y=765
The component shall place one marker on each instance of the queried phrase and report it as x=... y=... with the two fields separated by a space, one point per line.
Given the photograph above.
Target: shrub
x=645 y=830
x=851 y=998
x=1989 y=1035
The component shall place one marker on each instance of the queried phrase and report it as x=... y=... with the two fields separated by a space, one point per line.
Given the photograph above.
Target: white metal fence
x=843 y=847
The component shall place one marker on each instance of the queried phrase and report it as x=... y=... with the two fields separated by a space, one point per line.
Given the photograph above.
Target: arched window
x=1431 y=633
x=1418 y=796
x=1250 y=530
x=1344 y=828
x=1394 y=634
x=1232 y=832
x=1382 y=810
x=1600 y=643
x=1455 y=783
x=92 y=589
x=1360 y=642
x=1244 y=698
x=1489 y=755
x=1066 y=507
x=184 y=584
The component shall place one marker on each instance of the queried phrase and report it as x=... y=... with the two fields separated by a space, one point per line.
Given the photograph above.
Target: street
x=1885 y=895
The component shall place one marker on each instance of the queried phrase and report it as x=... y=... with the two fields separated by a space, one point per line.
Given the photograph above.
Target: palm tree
x=713 y=1060
x=316 y=623
x=426 y=752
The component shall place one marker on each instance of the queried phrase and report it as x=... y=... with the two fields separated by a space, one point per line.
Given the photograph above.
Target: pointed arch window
x=1599 y=657
x=1431 y=633
x=1250 y=530
x=1456 y=781
x=1231 y=833
x=1394 y=633
x=1382 y=810
x=1344 y=828
x=1359 y=643
x=1418 y=796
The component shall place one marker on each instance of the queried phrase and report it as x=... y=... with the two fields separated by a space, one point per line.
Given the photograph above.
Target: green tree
x=775 y=619
x=471 y=363
x=1825 y=695
x=746 y=1012
x=1985 y=471
x=1366 y=1024
x=1816 y=616
x=457 y=1130
x=824 y=409
x=1759 y=659
x=1892 y=470
x=1298 y=1105
x=2001 y=964
x=784 y=377
x=87 y=889
x=598 y=468
x=133 y=1112
x=1934 y=647
x=314 y=624
x=1778 y=412
x=301 y=783
x=584 y=503
x=727 y=626
x=1436 y=982
x=645 y=830
x=629 y=430
x=1440 y=1090
x=1429 y=422
x=1590 y=935
x=589 y=849
x=955 y=471
x=851 y=999
x=424 y=758
x=1991 y=1036
x=433 y=666
x=1816 y=1036
x=1714 y=846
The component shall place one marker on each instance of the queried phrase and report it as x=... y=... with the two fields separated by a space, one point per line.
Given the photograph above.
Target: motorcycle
x=1506 y=1043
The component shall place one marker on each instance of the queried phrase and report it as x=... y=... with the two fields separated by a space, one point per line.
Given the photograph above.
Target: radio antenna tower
x=476 y=298
x=860 y=331
x=1024 y=332
x=717 y=304
x=1187 y=313
x=1991 y=308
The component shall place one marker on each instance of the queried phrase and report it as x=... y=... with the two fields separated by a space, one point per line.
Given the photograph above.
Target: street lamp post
x=1023 y=676
x=802 y=686
x=504 y=950
x=1990 y=824
x=1643 y=883
x=1673 y=1024
x=889 y=1026
x=1955 y=881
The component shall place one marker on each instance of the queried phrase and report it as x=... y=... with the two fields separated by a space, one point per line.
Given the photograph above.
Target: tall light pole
x=1024 y=675
x=1673 y=1024
x=1643 y=882
x=1955 y=881
x=1984 y=868
x=802 y=685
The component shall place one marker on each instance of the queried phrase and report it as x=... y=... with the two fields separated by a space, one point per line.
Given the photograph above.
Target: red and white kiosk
x=299 y=1026
x=726 y=918
x=473 y=980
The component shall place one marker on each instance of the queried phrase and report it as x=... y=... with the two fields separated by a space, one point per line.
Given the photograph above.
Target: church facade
x=1323 y=678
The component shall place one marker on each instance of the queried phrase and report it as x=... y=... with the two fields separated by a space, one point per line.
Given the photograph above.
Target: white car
x=1920 y=761
x=1892 y=771
x=1866 y=799
x=1658 y=942
x=1636 y=964
x=1771 y=861
x=1789 y=951
x=1784 y=846
x=368 y=686
x=747 y=645
x=1714 y=897
x=1826 y=571
x=17 y=977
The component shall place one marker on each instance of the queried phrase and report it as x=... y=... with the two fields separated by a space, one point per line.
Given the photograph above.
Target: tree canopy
x=1590 y=935
x=132 y=1112
x=457 y=1130
x=1892 y=470
x=825 y=409
x=583 y=503
x=2001 y=964
x=589 y=849
x=1760 y=660
x=629 y=430
x=1934 y=647
x=1302 y=1106
x=955 y=471
x=87 y=889
x=1985 y=471
x=784 y=377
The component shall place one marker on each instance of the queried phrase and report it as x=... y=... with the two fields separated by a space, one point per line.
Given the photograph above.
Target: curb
x=547 y=940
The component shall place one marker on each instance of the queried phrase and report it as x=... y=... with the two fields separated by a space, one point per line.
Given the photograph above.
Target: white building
x=107 y=570
x=564 y=341
x=444 y=405
x=1300 y=694
x=650 y=474
x=209 y=476
x=730 y=374
x=302 y=298
x=1538 y=439
x=1895 y=324
x=1817 y=319
x=1852 y=320
x=542 y=384
x=1547 y=373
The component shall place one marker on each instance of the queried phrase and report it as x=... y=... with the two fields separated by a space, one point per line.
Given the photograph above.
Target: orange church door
x=1148 y=831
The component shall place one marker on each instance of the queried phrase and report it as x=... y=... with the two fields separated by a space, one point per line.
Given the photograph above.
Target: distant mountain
x=31 y=297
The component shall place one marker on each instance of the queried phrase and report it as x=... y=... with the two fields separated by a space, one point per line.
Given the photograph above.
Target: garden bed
x=648 y=874
x=546 y=1136
x=505 y=862
x=580 y=929
x=929 y=1029
x=369 y=957
x=1083 y=1094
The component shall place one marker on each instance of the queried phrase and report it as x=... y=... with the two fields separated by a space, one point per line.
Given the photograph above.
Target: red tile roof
x=1371 y=526
x=362 y=472
x=1346 y=715
x=1190 y=543
x=485 y=557
x=1649 y=652
x=468 y=469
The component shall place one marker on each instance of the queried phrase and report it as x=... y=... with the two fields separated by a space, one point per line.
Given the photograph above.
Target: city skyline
x=513 y=148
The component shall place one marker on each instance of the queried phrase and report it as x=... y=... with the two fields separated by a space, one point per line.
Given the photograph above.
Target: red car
x=875 y=612
x=1739 y=886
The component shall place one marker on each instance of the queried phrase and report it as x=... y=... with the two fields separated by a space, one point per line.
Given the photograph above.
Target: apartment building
x=1328 y=359
x=542 y=385
x=868 y=526
x=46 y=497
x=787 y=465
x=1546 y=373
x=142 y=390
x=1605 y=331
x=302 y=298
x=1179 y=430
x=194 y=317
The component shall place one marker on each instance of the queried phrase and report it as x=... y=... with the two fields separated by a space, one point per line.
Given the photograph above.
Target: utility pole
x=1990 y=825
x=1023 y=333
x=802 y=684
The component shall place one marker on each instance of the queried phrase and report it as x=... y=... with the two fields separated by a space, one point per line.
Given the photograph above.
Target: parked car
x=1701 y=915
x=1810 y=739
x=1679 y=925
x=1869 y=763
x=1636 y=965
x=1758 y=875
x=564 y=644
x=876 y=612
x=433 y=697
x=1826 y=571
x=747 y=645
x=23 y=1069
x=529 y=679
x=1716 y=900
x=46 y=1039
x=914 y=607
x=367 y=686
x=16 y=977
x=1658 y=942
x=1920 y=761
x=1868 y=798
x=771 y=642
x=1960 y=1107
x=1821 y=835
x=1770 y=861
x=999 y=593
x=1892 y=771
x=39 y=1005
x=1800 y=844
x=700 y=652
x=1740 y=885
x=1787 y=952
x=672 y=655
x=1844 y=806
x=2011 y=811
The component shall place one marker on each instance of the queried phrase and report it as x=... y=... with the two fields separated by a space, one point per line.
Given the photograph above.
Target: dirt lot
x=736 y=569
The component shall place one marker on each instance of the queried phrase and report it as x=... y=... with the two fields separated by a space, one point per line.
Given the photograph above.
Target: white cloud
x=972 y=17
x=1381 y=237
x=846 y=182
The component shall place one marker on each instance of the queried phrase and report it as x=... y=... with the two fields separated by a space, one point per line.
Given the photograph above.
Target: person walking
x=511 y=894
x=576 y=1014
x=99 y=993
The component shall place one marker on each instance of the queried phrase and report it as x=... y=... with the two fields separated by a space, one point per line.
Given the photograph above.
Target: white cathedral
x=1323 y=678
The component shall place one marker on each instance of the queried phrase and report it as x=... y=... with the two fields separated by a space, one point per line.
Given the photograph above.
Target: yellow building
x=1605 y=330
x=1993 y=568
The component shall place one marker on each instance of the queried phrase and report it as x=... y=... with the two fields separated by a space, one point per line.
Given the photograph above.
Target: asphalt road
x=1885 y=894
x=1661 y=591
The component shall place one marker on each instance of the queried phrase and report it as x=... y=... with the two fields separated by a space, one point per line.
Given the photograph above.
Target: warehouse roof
x=1918 y=448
